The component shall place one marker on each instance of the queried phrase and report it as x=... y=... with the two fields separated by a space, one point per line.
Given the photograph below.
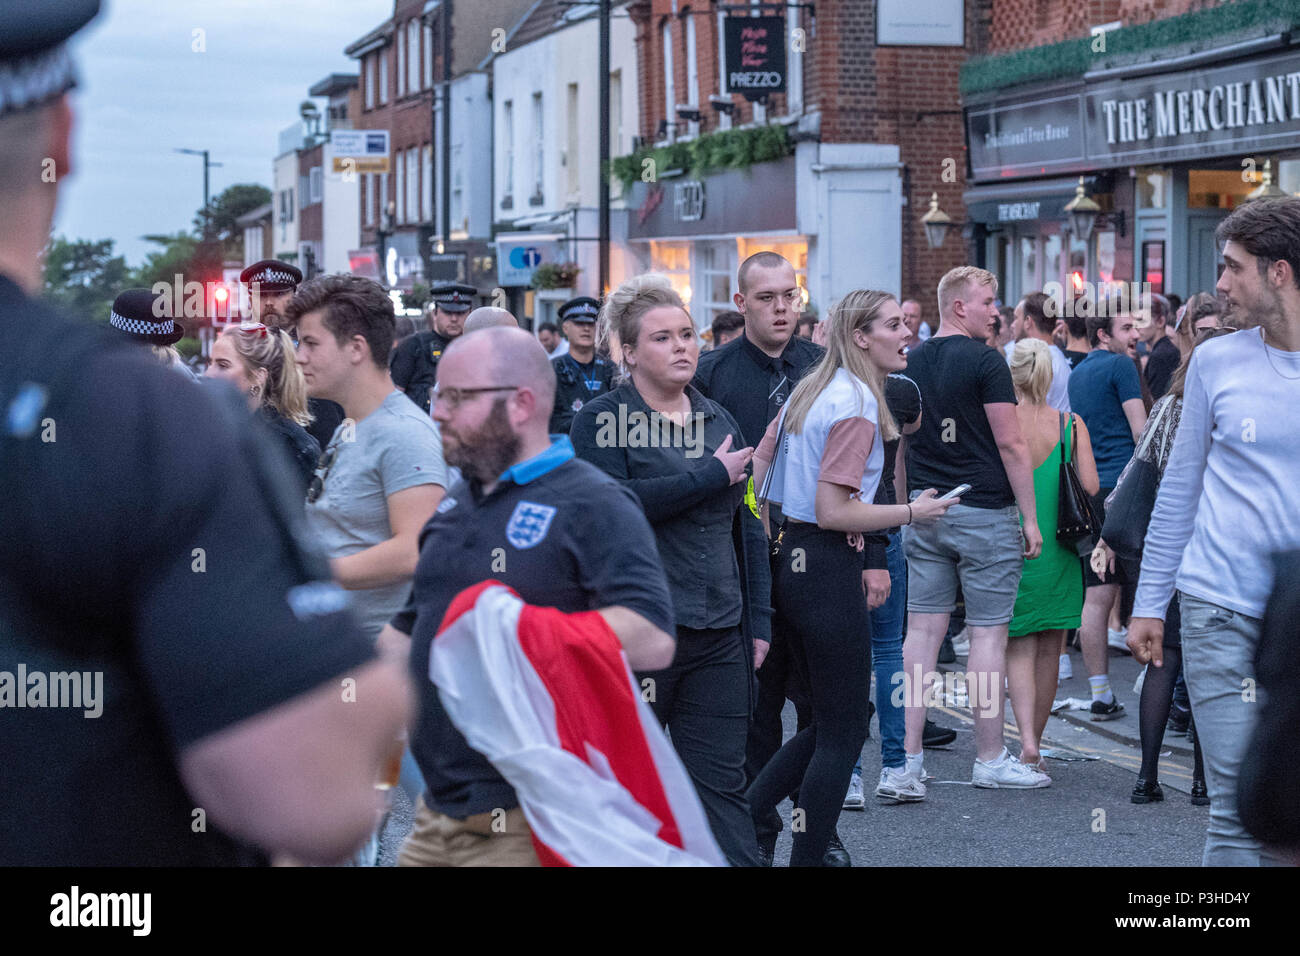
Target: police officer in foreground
x=176 y=655
x=414 y=365
x=271 y=285
x=580 y=374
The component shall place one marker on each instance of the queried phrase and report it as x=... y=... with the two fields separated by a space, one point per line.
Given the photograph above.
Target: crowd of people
x=262 y=561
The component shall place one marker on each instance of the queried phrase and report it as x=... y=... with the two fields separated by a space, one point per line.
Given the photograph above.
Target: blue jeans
x=887 y=656
x=1219 y=665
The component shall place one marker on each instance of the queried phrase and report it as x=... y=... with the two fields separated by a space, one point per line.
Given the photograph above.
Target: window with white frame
x=290 y=196
x=368 y=181
x=400 y=187
x=717 y=273
x=616 y=113
x=370 y=82
x=572 y=164
x=413 y=184
x=383 y=195
x=670 y=89
x=316 y=183
x=692 y=71
x=508 y=154
x=413 y=55
x=794 y=60
x=399 y=42
x=724 y=119
x=426 y=185
x=383 y=76
x=539 y=154
x=428 y=55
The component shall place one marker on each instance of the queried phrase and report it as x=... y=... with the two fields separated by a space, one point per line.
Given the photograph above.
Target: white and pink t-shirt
x=839 y=442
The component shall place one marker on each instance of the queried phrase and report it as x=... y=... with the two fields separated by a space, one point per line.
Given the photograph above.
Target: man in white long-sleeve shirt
x=1228 y=500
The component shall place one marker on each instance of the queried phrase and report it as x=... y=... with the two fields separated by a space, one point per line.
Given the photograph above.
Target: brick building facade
x=891 y=112
x=1170 y=112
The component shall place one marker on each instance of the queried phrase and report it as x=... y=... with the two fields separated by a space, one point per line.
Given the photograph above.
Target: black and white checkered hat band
x=275 y=277
x=33 y=80
x=137 y=327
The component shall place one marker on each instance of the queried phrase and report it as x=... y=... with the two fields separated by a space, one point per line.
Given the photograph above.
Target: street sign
x=359 y=150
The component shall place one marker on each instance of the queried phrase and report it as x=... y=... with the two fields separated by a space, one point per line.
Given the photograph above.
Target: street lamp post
x=207 y=164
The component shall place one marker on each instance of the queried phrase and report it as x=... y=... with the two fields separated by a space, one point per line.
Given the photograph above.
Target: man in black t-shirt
x=178 y=678
x=558 y=531
x=1163 y=356
x=969 y=434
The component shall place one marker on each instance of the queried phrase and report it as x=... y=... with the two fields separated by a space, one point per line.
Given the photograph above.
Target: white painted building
x=545 y=101
x=284 y=196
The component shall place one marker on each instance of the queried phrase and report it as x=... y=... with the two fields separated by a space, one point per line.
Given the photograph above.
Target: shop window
x=1052 y=266
x=1153 y=265
x=673 y=259
x=1288 y=176
x=1029 y=281
x=1153 y=189
x=1217 y=188
x=716 y=277
x=1105 y=258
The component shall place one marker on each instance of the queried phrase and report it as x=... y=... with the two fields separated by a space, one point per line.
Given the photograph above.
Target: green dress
x=1051 y=585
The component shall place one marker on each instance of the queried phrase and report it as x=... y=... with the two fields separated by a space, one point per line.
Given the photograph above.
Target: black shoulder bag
x=1076 y=522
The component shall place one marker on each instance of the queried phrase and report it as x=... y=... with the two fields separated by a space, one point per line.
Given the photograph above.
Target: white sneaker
x=855 y=799
x=1064 y=671
x=961 y=643
x=1118 y=639
x=1007 y=773
x=899 y=786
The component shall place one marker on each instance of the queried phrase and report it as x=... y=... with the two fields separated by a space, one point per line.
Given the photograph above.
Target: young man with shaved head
x=556 y=530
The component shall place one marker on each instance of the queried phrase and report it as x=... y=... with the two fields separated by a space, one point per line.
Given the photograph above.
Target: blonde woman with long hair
x=824 y=475
x=259 y=363
x=1050 y=599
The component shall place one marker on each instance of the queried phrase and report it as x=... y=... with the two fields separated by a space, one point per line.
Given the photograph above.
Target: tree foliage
x=219 y=220
x=83 y=277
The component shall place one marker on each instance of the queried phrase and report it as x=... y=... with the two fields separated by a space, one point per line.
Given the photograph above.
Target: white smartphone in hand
x=955 y=493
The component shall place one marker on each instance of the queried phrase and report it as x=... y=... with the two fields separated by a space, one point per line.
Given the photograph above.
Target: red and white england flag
x=549 y=699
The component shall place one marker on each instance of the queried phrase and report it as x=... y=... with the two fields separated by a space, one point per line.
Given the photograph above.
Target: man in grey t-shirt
x=382 y=474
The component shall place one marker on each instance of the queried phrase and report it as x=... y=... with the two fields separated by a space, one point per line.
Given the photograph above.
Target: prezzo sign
x=755 y=55
x=1237 y=108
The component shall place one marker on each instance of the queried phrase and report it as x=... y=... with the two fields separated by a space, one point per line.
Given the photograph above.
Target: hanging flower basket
x=556 y=276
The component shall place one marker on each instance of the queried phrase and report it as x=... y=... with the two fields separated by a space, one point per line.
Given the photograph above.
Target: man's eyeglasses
x=454 y=396
x=317 y=486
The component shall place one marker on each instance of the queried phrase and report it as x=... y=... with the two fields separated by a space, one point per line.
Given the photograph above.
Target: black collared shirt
x=752 y=385
x=567 y=537
x=686 y=494
x=414 y=365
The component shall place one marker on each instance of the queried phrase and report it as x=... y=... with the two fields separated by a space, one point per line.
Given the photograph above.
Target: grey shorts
x=978 y=547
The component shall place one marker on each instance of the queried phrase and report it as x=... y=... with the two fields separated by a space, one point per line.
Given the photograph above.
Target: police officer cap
x=35 y=65
x=272 y=275
x=134 y=315
x=454 y=297
x=582 y=309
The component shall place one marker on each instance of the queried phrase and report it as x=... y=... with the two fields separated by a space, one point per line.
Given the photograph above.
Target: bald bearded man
x=572 y=538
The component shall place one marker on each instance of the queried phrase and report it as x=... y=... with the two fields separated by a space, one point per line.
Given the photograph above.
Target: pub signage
x=1239 y=107
x=755 y=55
